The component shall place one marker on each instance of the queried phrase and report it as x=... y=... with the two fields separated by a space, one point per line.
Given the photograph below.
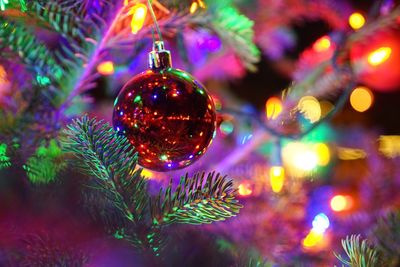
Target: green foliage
x=236 y=30
x=197 y=200
x=110 y=159
x=358 y=252
x=4 y=159
x=387 y=238
x=43 y=167
x=35 y=55
x=12 y=3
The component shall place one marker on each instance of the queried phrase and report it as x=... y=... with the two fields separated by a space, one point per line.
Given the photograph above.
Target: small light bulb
x=273 y=107
x=138 y=12
x=277 y=178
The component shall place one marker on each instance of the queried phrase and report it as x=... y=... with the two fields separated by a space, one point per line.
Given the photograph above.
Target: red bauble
x=167 y=116
x=386 y=75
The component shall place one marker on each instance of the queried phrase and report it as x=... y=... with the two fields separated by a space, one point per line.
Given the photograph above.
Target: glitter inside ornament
x=166 y=114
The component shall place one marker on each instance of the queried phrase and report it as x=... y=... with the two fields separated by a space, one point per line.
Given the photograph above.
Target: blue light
x=320 y=223
x=121 y=113
x=155 y=96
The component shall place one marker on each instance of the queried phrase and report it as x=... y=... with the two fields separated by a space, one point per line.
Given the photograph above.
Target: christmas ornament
x=376 y=61
x=166 y=114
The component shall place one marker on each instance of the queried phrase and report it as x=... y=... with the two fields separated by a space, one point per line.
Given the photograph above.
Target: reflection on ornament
x=273 y=107
x=138 y=12
x=166 y=114
x=379 y=56
x=361 y=99
x=356 y=21
x=322 y=44
x=341 y=203
x=244 y=189
x=106 y=68
x=310 y=107
x=277 y=178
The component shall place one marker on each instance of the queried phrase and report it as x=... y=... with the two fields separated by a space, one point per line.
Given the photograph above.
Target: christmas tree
x=199 y=133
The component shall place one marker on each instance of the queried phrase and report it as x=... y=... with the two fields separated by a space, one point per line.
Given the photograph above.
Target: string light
x=356 y=21
x=273 y=107
x=277 y=178
x=361 y=99
x=341 y=203
x=106 y=68
x=322 y=44
x=138 y=12
x=379 y=56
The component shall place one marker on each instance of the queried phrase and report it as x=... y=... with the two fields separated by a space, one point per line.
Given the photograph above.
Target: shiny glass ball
x=167 y=116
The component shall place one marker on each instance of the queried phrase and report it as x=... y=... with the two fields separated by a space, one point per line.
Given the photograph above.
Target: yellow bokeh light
x=310 y=107
x=193 y=7
x=245 y=189
x=147 y=174
x=299 y=159
x=138 y=12
x=106 y=68
x=324 y=155
x=322 y=44
x=273 y=107
x=312 y=239
x=277 y=178
x=361 y=99
x=379 y=56
x=356 y=20
x=341 y=203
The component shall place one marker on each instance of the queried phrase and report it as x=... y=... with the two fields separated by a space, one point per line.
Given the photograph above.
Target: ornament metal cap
x=159 y=58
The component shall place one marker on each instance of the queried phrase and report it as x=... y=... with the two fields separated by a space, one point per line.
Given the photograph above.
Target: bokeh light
x=341 y=203
x=273 y=107
x=324 y=154
x=356 y=21
x=320 y=223
x=361 y=99
x=244 y=189
x=379 y=56
x=310 y=107
x=277 y=178
x=322 y=44
x=106 y=68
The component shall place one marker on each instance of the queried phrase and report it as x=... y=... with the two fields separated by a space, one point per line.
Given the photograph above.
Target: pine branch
x=34 y=55
x=358 y=252
x=236 y=30
x=196 y=200
x=386 y=235
x=43 y=167
x=12 y=3
x=4 y=159
x=110 y=158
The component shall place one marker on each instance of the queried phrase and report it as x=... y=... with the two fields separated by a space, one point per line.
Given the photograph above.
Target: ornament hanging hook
x=153 y=16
